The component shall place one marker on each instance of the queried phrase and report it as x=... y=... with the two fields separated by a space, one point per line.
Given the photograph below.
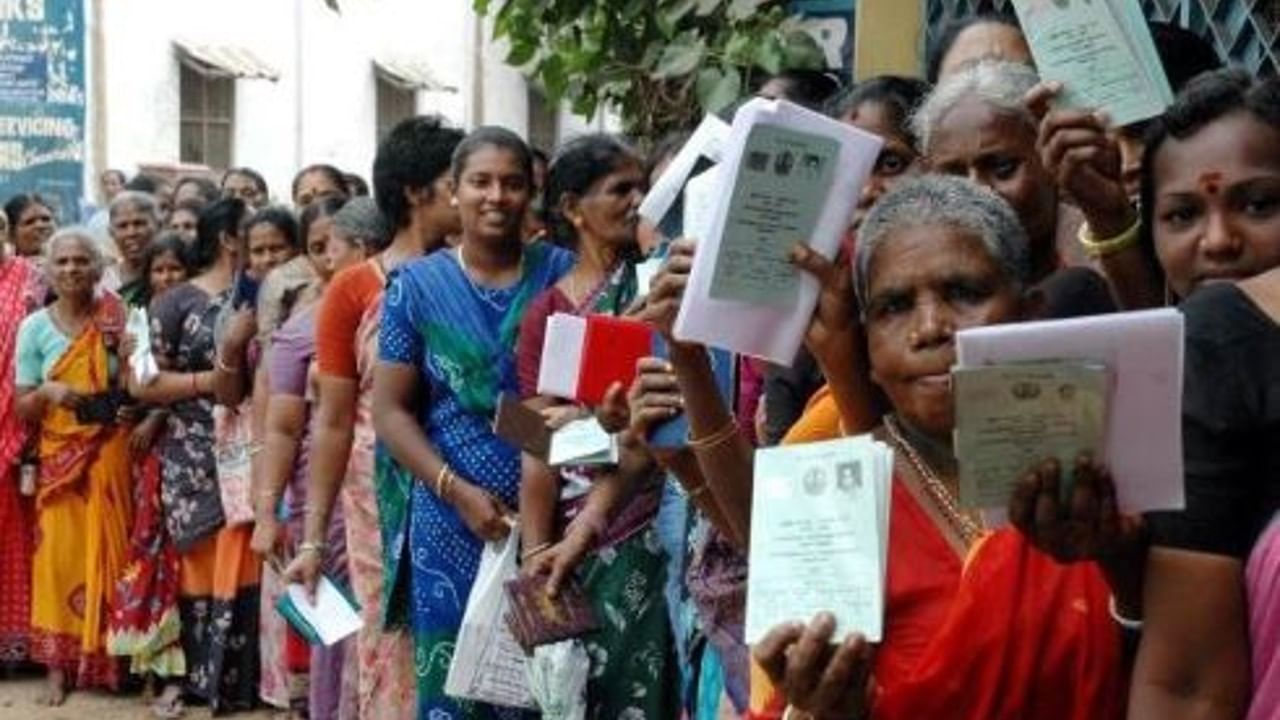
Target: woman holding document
x=978 y=624
x=574 y=517
x=446 y=352
x=1211 y=215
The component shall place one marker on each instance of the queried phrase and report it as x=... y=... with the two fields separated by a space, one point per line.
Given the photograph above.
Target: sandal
x=169 y=709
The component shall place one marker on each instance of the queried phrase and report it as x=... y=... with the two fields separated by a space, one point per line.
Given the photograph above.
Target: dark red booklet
x=536 y=618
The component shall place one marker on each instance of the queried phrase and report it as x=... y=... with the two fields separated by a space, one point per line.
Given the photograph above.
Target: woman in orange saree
x=66 y=368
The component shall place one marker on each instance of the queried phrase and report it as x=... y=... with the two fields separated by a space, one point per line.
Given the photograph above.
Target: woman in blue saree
x=446 y=483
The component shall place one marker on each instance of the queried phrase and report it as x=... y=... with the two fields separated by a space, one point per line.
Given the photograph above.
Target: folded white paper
x=582 y=442
x=820 y=536
x=707 y=142
x=332 y=616
x=561 y=355
x=1144 y=353
x=789 y=175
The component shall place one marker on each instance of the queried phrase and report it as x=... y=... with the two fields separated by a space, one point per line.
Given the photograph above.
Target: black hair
x=167 y=241
x=144 y=183
x=941 y=45
x=281 y=219
x=1203 y=101
x=208 y=188
x=193 y=205
x=221 y=217
x=118 y=173
x=18 y=204
x=899 y=94
x=416 y=153
x=334 y=175
x=578 y=165
x=323 y=208
x=258 y=181
x=356 y=186
x=1184 y=56
x=493 y=136
x=810 y=88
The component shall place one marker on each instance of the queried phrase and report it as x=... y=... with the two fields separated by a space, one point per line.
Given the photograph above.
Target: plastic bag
x=558 y=679
x=488 y=665
x=141 y=361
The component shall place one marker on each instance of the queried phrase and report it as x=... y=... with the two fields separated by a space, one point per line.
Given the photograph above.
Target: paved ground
x=18 y=702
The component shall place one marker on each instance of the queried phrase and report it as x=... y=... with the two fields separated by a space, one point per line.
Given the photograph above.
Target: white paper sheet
x=707 y=141
x=141 y=361
x=561 y=356
x=700 y=202
x=332 y=616
x=769 y=332
x=1144 y=351
x=583 y=442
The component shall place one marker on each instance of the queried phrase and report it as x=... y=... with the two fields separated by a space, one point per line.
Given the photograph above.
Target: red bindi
x=1211 y=182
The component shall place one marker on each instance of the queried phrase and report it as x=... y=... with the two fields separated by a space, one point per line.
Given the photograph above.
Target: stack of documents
x=789 y=176
x=1140 y=390
x=1102 y=53
x=820 y=536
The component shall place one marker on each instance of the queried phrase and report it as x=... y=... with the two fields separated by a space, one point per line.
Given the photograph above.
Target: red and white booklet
x=582 y=357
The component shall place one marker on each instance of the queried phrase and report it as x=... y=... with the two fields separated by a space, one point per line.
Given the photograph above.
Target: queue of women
x=338 y=422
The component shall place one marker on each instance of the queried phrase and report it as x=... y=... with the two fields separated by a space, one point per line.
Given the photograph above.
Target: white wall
x=323 y=107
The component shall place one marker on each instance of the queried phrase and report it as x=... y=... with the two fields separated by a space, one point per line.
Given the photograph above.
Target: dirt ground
x=18 y=702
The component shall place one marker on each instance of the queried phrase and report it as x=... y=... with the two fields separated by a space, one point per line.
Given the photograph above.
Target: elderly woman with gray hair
x=985 y=121
x=978 y=624
x=67 y=371
x=134 y=219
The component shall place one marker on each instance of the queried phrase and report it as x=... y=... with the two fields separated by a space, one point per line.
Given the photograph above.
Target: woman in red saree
x=66 y=361
x=978 y=624
x=21 y=289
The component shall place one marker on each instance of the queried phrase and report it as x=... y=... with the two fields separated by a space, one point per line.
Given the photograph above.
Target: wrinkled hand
x=654 y=397
x=305 y=568
x=1078 y=148
x=61 y=395
x=266 y=535
x=144 y=435
x=613 y=413
x=557 y=416
x=815 y=676
x=128 y=344
x=558 y=562
x=484 y=514
x=667 y=289
x=1088 y=526
x=833 y=329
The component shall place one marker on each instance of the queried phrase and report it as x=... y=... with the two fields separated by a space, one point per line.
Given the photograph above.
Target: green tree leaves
x=659 y=63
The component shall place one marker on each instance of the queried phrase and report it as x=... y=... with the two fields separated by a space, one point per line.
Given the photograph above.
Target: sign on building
x=42 y=101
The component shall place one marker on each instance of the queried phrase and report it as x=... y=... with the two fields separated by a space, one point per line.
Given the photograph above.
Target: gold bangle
x=220 y=365
x=716 y=438
x=317 y=548
x=1099 y=249
x=697 y=492
x=444 y=470
x=449 y=479
x=527 y=554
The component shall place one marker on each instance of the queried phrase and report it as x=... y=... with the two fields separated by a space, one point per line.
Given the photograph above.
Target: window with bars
x=207 y=115
x=395 y=103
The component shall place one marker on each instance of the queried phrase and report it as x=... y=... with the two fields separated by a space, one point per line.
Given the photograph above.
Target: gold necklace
x=964 y=523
